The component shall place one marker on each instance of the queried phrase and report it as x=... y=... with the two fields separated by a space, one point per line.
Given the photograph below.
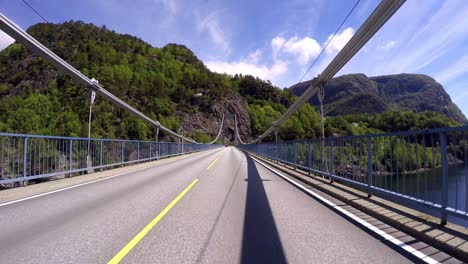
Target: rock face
x=357 y=93
x=203 y=121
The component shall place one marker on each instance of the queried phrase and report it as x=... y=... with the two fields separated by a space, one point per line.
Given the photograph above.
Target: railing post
x=158 y=150
x=150 y=150
x=121 y=153
x=3 y=149
x=466 y=155
x=332 y=161
x=295 y=155
x=284 y=156
x=138 y=151
x=70 y=158
x=369 y=167
x=278 y=155
x=25 y=165
x=309 y=157
x=443 y=154
x=100 y=154
x=276 y=143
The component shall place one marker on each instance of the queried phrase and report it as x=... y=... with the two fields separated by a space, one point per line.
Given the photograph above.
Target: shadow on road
x=261 y=242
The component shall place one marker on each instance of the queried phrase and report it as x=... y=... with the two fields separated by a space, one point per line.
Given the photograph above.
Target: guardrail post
x=278 y=155
x=466 y=155
x=443 y=154
x=3 y=149
x=25 y=166
x=121 y=153
x=70 y=158
x=150 y=150
x=100 y=154
x=158 y=150
x=285 y=150
x=295 y=155
x=138 y=151
x=369 y=167
x=332 y=161
x=309 y=157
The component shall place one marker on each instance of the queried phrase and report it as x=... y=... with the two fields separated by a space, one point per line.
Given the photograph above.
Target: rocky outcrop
x=209 y=122
x=357 y=93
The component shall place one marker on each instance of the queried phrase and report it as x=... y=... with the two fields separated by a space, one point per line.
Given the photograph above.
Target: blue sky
x=278 y=40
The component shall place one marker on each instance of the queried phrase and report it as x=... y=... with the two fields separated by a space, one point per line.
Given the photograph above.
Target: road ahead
x=215 y=207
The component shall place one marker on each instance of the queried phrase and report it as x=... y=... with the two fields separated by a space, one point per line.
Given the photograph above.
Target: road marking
x=213 y=163
x=122 y=253
x=86 y=183
x=369 y=226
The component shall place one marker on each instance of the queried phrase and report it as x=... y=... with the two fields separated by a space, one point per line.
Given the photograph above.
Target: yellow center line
x=122 y=253
x=213 y=163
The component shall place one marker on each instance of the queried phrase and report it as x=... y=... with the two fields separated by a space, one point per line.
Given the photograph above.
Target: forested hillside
x=35 y=98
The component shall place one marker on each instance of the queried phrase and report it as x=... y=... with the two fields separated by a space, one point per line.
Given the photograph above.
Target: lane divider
x=359 y=220
x=213 y=163
x=122 y=253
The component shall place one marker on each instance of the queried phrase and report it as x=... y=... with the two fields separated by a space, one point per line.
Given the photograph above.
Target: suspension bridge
x=383 y=198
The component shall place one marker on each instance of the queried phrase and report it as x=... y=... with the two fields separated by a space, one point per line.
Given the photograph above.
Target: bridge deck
x=235 y=211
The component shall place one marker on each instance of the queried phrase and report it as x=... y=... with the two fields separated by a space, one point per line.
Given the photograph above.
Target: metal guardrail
x=27 y=157
x=425 y=170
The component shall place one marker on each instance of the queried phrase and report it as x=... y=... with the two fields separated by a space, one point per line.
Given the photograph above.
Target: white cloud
x=287 y=55
x=170 y=5
x=276 y=44
x=340 y=40
x=5 y=40
x=255 y=56
x=211 y=25
x=421 y=45
x=438 y=34
x=457 y=69
x=461 y=98
x=247 y=66
x=387 y=45
x=303 y=49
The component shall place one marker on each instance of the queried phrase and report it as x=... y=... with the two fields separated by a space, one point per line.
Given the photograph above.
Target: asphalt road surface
x=219 y=206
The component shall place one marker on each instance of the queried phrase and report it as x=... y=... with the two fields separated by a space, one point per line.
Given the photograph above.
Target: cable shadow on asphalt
x=260 y=242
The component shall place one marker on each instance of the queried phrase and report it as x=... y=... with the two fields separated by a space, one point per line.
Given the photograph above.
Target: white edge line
x=81 y=184
x=369 y=226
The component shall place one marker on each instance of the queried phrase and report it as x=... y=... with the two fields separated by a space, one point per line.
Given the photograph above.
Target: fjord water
x=427 y=186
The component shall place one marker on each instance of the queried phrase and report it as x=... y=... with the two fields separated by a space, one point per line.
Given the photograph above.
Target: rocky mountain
x=357 y=93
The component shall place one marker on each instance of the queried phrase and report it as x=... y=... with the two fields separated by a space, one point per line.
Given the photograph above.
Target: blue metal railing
x=425 y=170
x=27 y=157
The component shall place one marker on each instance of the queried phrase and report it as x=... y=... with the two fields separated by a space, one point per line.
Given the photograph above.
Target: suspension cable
x=219 y=132
x=382 y=13
x=35 y=11
x=329 y=41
